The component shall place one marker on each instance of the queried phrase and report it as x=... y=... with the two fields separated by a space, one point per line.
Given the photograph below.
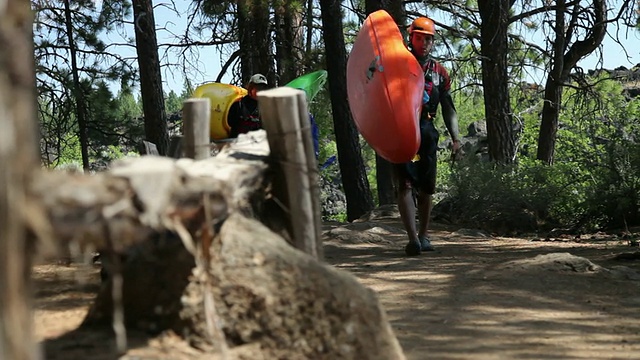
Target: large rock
x=294 y=307
x=271 y=301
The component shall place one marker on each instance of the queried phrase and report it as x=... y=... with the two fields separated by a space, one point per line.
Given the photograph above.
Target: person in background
x=315 y=135
x=420 y=173
x=244 y=115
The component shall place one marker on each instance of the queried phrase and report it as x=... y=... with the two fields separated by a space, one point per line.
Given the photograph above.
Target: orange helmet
x=423 y=25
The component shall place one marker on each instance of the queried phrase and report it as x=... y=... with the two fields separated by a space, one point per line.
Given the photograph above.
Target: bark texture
x=352 y=169
x=18 y=158
x=155 y=116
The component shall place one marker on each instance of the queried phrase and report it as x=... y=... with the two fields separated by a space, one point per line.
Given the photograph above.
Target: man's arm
x=450 y=115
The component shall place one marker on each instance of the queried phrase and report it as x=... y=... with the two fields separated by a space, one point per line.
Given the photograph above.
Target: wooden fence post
x=18 y=158
x=286 y=119
x=195 y=122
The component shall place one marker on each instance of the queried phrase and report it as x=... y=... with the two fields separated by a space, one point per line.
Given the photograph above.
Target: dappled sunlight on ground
x=475 y=297
x=468 y=299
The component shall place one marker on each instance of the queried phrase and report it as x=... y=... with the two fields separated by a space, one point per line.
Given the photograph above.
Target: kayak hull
x=310 y=83
x=221 y=97
x=385 y=84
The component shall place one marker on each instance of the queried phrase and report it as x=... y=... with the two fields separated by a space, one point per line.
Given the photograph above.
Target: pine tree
x=69 y=52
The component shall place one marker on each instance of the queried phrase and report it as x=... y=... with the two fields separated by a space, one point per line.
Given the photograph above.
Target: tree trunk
x=155 y=117
x=289 y=40
x=18 y=157
x=495 y=79
x=562 y=65
x=395 y=8
x=262 y=43
x=352 y=169
x=282 y=58
x=384 y=169
x=309 y=35
x=553 y=92
x=244 y=40
x=255 y=40
x=78 y=94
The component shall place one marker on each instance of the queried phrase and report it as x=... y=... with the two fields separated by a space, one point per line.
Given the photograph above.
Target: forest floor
x=475 y=297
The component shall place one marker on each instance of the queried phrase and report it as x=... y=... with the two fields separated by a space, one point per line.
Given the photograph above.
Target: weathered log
x=267 y=295
x=18 y=157
x=137 y=197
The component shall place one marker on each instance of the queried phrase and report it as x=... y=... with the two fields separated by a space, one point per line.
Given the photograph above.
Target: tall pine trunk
x=262 y=43
x=78 y=94
x=254 y=29
x=155 y=117
x=495 y=79
x=289 y=40
x=245 y=31
x=352 y=169
x=553 y=92
x=308 y=49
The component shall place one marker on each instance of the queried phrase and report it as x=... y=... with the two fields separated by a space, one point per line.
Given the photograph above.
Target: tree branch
x=583 y=47
x=539 y=10
x=226 y=65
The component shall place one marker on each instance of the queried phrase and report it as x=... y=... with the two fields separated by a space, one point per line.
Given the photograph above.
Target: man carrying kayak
x=421 y=172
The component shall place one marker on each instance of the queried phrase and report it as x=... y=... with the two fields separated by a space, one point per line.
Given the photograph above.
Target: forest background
x=555 y=140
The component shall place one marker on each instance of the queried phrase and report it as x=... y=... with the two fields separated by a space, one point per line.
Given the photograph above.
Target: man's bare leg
x=425 y=202
x=407 y=209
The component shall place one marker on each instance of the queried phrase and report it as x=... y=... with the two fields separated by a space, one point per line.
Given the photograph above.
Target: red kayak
x=385 y=84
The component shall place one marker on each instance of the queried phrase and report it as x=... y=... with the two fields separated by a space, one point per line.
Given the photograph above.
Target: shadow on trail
x=68 y=288
x=460 y=302
x=89 y=343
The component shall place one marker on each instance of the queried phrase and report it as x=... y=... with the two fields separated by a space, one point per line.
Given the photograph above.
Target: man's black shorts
x=421 y=174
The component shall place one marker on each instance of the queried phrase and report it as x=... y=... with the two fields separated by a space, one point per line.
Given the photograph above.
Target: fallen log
x=144 y=195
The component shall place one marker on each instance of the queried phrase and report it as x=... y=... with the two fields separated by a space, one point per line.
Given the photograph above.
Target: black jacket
x=244 y=116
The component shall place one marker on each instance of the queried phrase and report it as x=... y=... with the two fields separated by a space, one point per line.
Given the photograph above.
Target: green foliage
x=172 y=103
x=101 y=110
x=70 y=153
x=593 y=184
x=369 y=158
x=127 y=105
x=187 y=90
x=61 y=95
x=112 y=127
x=607 y=151
x=469 y=104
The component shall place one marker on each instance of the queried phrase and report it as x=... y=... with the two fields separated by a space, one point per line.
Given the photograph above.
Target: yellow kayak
x=221 y=97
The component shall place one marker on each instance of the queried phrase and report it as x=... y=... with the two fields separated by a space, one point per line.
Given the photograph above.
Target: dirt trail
x=476 y=297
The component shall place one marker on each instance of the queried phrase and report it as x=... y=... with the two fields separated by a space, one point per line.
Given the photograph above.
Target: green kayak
x=311 y=83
